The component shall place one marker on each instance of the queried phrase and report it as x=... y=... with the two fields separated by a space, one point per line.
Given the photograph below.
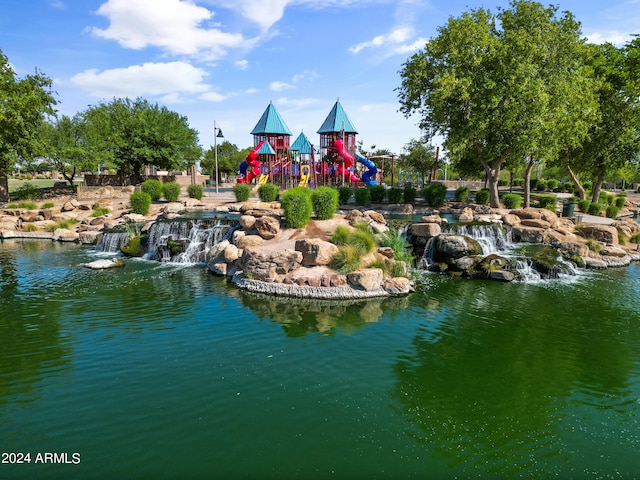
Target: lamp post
x=217 y=133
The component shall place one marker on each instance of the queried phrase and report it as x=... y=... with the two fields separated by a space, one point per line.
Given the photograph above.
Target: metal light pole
x=217 y=133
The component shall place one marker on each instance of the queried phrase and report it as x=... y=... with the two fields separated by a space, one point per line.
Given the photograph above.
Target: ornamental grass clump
x=100 y=211
x=346 y=260
x=401 y=248
x=353 y=244
x=297 y=206
x=242 y=191
x=153 y=188
x=171 y=191
x=512 y=200
x=621 y=200
x=268 y=192
x=325 y=202
x=195 y=190
x=140 y=202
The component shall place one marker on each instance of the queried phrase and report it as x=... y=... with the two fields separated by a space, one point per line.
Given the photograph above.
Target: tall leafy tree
x=129 y=134
x=420 y=156
x=24 y=105
x=490 y=84
x=227 y=163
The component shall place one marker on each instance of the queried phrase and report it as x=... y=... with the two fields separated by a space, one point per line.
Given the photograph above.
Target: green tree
x=226 y=159
x=419 y=156
x=130 y=134
x=489 y=84
x=24 y=105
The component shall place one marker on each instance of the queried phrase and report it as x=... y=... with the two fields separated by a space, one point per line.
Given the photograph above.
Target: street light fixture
x=217 y=133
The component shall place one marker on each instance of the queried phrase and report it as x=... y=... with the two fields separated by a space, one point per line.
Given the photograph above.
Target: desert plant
x=325 y=202
x=48 y=205
x=583 y=205
x=401 y=248
x=363 y=196
x=61 y=224
x=594 y=209
x=622 y=238
x=482 y=196
x=242 y=191
x=29 y=227
x=346 y=260
x=362 y=240
x=140 y=202
x=297 y=206
x=409 y=194
x=462 y=194
x=378 y=193
x=593 y=245
x=195 y=190
x=395 y=195
x=344 y=194
x=434 y=194
x=268 y=192
x=340 y=235
x=171 y=191
x=152 y=187
x=512 y=200
x=635 y=238
x=612 y=211
x=24 y=204
x=99 y=211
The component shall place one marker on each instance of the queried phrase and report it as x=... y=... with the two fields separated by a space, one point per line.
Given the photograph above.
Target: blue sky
x=225 y=60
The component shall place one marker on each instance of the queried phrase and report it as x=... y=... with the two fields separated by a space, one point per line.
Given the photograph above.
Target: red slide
x=251 y=166
x=348 y=161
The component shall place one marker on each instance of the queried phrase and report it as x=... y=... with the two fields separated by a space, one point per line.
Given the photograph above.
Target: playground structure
x=273 y=159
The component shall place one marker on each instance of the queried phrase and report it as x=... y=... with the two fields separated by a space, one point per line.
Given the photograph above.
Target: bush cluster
x=268 y=192
x=344 y=194
x=26 y=192
x=140 y=202
x=462 y=194
x=512 y=200
x=378 y=193
x=621 y=200
x=363 y=196
x=612 y=211
x=153 y=188
x=583 y=205
x=171 y=191
x=594 y=209
x=325 y=202
x=242 y=191
x=409 y=194
x=297 y=206
x=548 y=201
x=395 y=195
x=483 y=196
x=552 y=184
x=195 y=190
x=434 y=194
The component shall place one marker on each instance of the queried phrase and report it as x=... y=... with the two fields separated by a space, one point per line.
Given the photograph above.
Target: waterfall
x=427 y=256
x=192 y=237
x=112 y=241
x=491 y=238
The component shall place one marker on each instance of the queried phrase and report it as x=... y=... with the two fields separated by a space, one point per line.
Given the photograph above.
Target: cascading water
x=492 y=238
x=111 y=242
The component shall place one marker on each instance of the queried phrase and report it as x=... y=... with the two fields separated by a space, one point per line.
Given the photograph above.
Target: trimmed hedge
x=595 y=209
x=297 y=206
x=548 y=201
x=363 y=196
x=242 y=191
x=140 y=202
x=612 y=211
x=434 y=194
x=268 y=192
x=152 y=187
x=196 y=191
x=462 y=194
x=621 y=200
x=344 y=194
x=512 y=200
x=583 y=205
x=378 y=193
x=409 y=194
x=483 y=196
x=325 y=202
x=395 y=195
x=171 y=191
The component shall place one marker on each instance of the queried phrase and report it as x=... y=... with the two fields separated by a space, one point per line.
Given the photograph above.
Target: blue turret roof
x=266 y=149
x=271 y=122
x=301 y=145
x=337 y=121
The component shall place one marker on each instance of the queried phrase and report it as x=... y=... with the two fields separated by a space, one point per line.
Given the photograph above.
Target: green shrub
x=340 y=235
x=344 y=194
x=140 y=202
x=268 y=192
x=483 y=196
x=621 y=200
x=593 y=245
x=378 y=193
x=297 y=206
x=612 y=211
x=242 y=191
x=503 y=182
x=635 y=238
x=594 y=209
x=552 y=184
x=409 y=194
x=587 y=185
x=583 y=205
x=134 y=247
x=533 y=183
x=395 y=195
x=518 y=182
x=541 y=185
x=363 y=196
x=99 y=211
x=325 y=202
x=401 y=248
x=512 y=200
x=347 y=260
x=24 y=204
x=48 y=205
x=29 y=227
x=171 y=191
x=548 y=201
x=52 y=227
x=434 y=194
x=152 y=187
x=27 y=191
x=462 y=194
x=362 y=240
x=195 y=190
x=568 y=187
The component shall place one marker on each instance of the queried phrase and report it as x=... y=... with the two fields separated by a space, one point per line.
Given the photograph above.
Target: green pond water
x=159 y=371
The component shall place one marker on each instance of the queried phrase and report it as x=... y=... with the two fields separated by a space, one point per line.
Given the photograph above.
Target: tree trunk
x=597 y=186
x=493 y=177
x=576 y=183
x=4 y=187
x=527 y=183
x=70 y=178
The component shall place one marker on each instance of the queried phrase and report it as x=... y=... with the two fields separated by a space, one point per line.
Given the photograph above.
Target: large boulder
x=528 y=234
x=248 y=241
x=247 y=221
x=535 y=222
x=369 y=279
x=315 y=251
x=89 y=237
x=511 y=220
x=601 y=233
x=267 y=227
x=269 y=266
x=104 y=264
x=466 y=215
x=65 y=235
x=455 y=246
x=427 y=230
x=397 y=286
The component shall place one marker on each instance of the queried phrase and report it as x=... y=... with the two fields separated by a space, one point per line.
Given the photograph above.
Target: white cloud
x=242 y=64
x=279 y=86
x=612 y=36
x=213 y=97
x=296 y=102
x=251 y=91
x=394 y=42
x=173 y=25
x=157 y=79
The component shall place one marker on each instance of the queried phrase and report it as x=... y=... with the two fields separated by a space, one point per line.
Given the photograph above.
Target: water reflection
x=299 y=317
x=492 y=374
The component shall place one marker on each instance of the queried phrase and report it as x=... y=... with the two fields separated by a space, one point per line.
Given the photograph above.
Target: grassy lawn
x=14 y=184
